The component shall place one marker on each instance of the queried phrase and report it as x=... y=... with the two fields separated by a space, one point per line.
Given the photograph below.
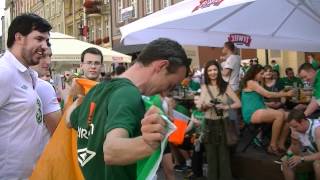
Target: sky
x=2 y=2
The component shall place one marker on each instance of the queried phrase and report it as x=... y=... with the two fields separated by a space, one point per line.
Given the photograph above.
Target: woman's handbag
x=232 y=137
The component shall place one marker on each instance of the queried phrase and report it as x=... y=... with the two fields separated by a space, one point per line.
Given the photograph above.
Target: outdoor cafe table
x=186 y=101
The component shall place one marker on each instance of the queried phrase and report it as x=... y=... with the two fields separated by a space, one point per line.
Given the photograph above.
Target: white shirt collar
x=14 y=61
x=10 y=58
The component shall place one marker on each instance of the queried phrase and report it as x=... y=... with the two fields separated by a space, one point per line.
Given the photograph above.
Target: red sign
x=207 y=3
x=240 y=39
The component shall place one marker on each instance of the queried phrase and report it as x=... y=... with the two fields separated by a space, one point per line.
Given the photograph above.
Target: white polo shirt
x=21 y=120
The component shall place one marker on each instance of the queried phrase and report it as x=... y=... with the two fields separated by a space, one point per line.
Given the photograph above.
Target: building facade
x=86 y=20
x=127 y=11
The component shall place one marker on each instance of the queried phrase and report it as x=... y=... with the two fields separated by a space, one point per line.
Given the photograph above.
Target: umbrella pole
x=267 y=56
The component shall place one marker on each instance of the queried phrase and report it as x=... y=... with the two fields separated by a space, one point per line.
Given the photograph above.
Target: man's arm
x=315 y=156
x=52 y=120
x=226 y=72
x=295 y=160
x=69 y=110
x=312 y=107
x=295 y=143
x=119 y=149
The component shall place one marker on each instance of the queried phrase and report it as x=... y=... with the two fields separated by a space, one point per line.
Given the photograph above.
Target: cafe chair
x=251 y=132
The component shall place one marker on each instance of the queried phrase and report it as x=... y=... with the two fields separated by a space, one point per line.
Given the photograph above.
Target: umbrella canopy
x=268 y=24
x=67 y=48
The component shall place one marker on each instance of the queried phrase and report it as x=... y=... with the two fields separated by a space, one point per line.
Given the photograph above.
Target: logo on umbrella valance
x=240 y=39
x=207 y=3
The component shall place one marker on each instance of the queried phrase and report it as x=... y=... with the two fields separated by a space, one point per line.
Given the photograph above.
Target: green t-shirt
x=316 y=86
x=118 y=105
x=290 y=82
x=276 y=67
x=194 y=86
x=182 y=109
x=315 y=64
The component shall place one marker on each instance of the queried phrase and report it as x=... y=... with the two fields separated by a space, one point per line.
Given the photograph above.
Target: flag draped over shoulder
x=59 y=160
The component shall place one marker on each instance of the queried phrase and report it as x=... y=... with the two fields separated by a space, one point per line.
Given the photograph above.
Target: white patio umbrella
x=267 y=24
x=69 y=49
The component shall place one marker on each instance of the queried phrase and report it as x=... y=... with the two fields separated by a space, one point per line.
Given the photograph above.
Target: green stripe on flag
x=147 y=167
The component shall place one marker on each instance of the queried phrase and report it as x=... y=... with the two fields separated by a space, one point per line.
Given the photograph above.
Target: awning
x=69 y=49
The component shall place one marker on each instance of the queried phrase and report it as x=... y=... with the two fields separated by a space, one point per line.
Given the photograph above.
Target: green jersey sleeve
x=125 y=110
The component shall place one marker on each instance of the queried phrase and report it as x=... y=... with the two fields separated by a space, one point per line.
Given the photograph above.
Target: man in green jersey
x=114 y=131
x=275 y=65
x=290 y=80
x=313 y=61
x=309 y=74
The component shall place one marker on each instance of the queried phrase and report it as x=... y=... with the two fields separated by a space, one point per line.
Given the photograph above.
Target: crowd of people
x=117 y=130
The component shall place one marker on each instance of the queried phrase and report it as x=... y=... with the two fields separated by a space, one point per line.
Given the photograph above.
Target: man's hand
x=152 y=127
x=294 y=161
x=73 y=106
x=75 y=89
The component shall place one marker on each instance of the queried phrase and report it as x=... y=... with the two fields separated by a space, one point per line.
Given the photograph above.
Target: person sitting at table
x=213 y=102
x=313 y=61
x=271 y=85
x=310 y=75
x=254 y=109
x=291 y=79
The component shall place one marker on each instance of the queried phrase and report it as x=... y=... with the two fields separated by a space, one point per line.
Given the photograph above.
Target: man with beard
x=21 y=121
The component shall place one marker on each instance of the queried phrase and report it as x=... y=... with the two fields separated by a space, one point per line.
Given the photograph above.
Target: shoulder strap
x=210 y=93
x=313 y=144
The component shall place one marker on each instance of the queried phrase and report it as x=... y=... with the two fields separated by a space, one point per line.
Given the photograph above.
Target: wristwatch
x=302 y=159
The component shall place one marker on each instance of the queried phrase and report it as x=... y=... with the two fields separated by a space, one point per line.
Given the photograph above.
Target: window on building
x=120 y=6
x=91 y=30
x=78 y=30
x=134 y=3
x=52 y=8
x=166 y=3
x=106 y=26
x=148 y=6
x=59 y=28
x=98 y=29
x=47 y=11
x=70 y=30
x=58 y=7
